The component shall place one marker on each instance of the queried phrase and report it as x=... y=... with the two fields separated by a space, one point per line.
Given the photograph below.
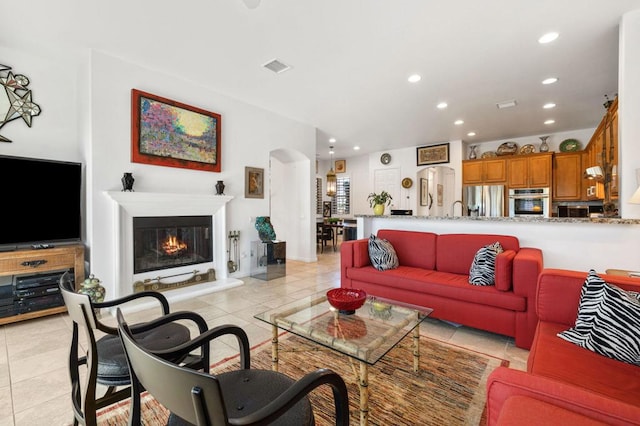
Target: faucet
x=453 y=208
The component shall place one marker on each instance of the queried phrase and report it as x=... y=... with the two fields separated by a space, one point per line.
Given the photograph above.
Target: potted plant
x=377 y=201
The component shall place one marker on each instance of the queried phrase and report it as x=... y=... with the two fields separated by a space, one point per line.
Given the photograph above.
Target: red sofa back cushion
x=416 y=249
x=456 y=251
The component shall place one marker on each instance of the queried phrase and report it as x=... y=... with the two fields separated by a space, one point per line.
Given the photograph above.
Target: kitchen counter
x=582 y=220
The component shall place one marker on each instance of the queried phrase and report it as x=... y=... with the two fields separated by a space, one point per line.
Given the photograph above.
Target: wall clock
x=385 y=158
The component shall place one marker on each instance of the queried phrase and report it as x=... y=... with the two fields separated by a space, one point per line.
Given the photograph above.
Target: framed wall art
x=439 y=191
x=432 y=154
x=326 y=209
x=341 y=166
x=173 y=134
x=424 y=192
x=253 y=182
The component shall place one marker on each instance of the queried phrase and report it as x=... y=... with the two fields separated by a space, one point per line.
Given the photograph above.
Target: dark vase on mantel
x=127 y=182
x=220 y=188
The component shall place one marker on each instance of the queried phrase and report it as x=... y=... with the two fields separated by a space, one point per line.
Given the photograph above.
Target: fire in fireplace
x=171 y=241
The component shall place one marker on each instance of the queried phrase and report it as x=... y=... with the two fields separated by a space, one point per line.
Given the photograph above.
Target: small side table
x=268 y=259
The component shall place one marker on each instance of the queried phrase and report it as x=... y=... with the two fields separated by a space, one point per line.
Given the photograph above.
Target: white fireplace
x=128 y=205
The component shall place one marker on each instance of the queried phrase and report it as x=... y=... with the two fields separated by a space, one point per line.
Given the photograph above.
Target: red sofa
x=434 y=273
x=564 y=383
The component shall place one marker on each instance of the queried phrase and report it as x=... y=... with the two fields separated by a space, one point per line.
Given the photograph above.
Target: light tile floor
x=34 y=384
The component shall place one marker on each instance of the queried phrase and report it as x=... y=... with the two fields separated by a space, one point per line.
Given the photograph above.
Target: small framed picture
x=341 y=166
x=253 y=182
x=424 y=192
x=439 y=194
x=432 y=154
x=326 y=209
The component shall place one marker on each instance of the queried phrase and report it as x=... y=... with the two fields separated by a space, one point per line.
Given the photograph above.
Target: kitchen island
x=567 y=243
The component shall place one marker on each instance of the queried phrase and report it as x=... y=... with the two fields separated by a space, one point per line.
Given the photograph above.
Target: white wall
x=629 y=111
x=249 y=134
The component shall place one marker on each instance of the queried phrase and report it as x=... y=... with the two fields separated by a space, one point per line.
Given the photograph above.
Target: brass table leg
x=416 y=348
x=274 y=348
x=363 y=384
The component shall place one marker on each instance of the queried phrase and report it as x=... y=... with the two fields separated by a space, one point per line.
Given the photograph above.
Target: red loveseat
x=564 y=383
x=434 y=273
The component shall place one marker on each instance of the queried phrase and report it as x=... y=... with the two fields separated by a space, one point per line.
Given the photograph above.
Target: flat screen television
x=41 y=202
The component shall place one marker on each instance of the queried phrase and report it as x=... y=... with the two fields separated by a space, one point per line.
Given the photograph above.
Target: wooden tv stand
x=34 y=261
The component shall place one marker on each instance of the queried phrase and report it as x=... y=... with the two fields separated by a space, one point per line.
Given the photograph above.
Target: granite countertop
x=611 y=220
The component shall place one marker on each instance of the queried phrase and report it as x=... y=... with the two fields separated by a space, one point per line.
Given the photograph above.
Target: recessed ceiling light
x=332 y=140
x=442 y=105
x=506 y=104
x=550 y=80
x=458 y=122
x=414 y=78
x=548 y=38
x=471 y=134
x=549 y=105
x=549 y=121
x=331 y=151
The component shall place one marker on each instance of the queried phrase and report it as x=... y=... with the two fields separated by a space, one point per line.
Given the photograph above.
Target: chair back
x=78 y=305
x=191 y=395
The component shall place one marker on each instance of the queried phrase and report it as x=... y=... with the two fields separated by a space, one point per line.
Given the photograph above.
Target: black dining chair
x=240 y=397
x=324 y=233
x=104 y=357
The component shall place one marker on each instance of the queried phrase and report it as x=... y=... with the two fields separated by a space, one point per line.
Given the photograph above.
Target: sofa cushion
x=483 y=267
x=558 y=359
x=524 y=410
x=456 y=251
x=382 y=254
x=608 y=321
x=441 y=284
x=414 y=248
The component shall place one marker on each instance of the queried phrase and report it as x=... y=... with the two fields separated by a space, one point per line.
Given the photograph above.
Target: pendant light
x=332 y=183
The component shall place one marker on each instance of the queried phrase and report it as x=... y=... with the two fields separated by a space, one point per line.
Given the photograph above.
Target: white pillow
x=608 y=321
x=382 y=254
x=483 y=267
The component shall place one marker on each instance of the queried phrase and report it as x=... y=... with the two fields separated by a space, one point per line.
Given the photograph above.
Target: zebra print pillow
x=608 y=321
x=382 y=254
x=483 y=267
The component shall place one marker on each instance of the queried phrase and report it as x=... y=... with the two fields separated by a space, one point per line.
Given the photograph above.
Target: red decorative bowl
x=347 y=300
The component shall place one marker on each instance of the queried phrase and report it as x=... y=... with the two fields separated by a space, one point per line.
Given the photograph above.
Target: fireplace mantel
x=128 y=205
x=169 y=204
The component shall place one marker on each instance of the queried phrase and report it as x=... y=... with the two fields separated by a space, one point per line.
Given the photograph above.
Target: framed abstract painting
x=173 y=134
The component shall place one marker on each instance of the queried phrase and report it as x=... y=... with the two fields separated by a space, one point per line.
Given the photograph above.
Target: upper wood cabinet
x=478 y=172
x=568 y=174
x=602 y=151
x=530 y=171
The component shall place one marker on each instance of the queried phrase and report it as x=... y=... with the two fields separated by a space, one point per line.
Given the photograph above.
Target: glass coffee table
x=366 y=335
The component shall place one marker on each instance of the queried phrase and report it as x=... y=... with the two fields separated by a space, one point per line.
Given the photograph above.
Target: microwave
x=529 y=202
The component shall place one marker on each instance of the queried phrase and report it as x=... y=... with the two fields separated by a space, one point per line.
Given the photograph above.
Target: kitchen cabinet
x=475 y=172
x=530 y=171
x=602 y=151
x=568 y=172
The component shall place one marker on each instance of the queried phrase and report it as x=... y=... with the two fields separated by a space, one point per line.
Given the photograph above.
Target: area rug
x=449 y=388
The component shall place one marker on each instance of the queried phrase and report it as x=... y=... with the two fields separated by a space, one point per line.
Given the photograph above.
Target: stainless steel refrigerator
x=484 y=200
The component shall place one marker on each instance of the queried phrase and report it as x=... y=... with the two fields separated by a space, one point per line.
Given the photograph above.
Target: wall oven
x=530 y=202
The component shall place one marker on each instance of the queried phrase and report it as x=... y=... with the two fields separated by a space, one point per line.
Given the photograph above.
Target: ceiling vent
x=276 y=66
x=506 y=104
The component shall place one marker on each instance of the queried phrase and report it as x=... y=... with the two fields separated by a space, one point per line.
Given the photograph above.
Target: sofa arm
x=504 y=383
x=527 y=265
x=353 y=254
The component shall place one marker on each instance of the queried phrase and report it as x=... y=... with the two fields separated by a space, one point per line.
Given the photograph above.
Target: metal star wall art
x=15 y=99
